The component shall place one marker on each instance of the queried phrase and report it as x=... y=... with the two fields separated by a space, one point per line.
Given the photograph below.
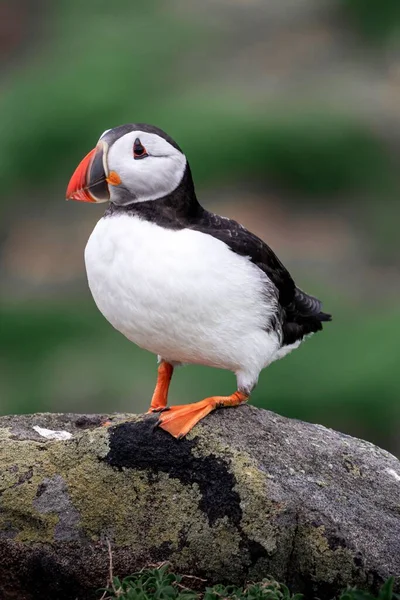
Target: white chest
x=181 y=294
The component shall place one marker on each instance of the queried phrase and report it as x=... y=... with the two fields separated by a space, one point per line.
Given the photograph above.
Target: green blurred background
x=289 y=112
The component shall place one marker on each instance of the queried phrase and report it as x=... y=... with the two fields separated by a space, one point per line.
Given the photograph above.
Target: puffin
x=188 y=285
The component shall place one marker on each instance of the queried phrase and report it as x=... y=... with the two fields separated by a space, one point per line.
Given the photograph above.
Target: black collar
x=178 y=210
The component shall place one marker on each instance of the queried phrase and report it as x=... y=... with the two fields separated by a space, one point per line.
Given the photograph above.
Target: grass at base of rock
x=161 y=584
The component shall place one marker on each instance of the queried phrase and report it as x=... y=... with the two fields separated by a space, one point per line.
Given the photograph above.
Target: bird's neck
x=177 y=210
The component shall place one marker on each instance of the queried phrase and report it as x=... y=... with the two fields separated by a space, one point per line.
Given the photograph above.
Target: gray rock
x=247 y=494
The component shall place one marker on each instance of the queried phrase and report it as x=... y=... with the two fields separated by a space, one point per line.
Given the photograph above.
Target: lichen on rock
x=247 y=494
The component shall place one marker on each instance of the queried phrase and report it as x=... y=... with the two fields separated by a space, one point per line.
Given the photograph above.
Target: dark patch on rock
x=89 y=421
x=140 y=446
x=8 y=531
x=42 y=487
x=307 y=586
x=335 y=540
x=25 y=476
x=376 y=580
x=358 y=560
x=254 y=549
x=47 y=579
x=182 y=538
x=162 y=552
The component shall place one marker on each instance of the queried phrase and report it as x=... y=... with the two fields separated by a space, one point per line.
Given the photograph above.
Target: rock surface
x=247 y=494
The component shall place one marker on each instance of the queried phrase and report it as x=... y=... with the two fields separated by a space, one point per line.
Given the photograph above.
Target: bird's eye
x=139 y=151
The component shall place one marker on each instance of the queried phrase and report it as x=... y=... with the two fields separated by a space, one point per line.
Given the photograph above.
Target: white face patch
x=149 y=178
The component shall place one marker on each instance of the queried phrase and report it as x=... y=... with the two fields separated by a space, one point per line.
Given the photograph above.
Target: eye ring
x=139 y=151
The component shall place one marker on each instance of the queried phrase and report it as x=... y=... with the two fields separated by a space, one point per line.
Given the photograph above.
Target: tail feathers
x=324 y=316
x=309 y=306
x=302 y=317
x=306 y=305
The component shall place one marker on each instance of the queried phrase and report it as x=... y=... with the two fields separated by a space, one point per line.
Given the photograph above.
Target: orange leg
x=160 y=395
x=179 y=420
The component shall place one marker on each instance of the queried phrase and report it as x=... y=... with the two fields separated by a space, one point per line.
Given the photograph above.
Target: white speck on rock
x=50 y=434
x=393 y=473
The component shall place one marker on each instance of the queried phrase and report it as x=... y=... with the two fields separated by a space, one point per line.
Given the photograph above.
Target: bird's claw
x=152 y=411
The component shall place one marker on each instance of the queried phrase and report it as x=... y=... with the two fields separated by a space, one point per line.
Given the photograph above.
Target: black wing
x=301 y=313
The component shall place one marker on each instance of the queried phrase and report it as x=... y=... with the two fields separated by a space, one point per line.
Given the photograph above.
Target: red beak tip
x=75 y=189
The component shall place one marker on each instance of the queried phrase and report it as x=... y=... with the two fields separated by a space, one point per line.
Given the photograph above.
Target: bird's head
x=130 y=163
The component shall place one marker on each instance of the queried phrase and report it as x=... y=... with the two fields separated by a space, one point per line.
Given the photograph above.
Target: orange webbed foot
x=179 y=420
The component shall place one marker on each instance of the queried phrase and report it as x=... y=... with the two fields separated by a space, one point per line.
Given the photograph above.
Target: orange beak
x=88 y=183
